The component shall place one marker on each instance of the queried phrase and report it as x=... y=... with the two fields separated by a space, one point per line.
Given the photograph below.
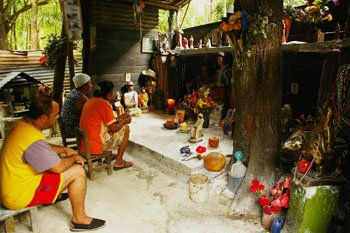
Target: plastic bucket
x=233 y=184
x=199 y=191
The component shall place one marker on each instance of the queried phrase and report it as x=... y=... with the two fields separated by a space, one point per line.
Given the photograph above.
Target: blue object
x=225 y=128
x=239 y=155
x=186 y=150
x=277 y=225
x=245 y=21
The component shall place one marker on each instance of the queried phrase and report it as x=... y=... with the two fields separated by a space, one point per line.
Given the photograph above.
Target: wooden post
x=34 y=219
x=171 y=29
x=70 y=63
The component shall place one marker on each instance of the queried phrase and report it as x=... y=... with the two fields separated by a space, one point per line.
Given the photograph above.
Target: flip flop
x=126 y=165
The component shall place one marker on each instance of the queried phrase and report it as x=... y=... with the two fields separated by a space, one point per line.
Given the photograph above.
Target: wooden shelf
x=303 y=47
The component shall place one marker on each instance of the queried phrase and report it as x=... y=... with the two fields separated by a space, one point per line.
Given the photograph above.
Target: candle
x=183 y=126
x=171 y=104
x=230 y=8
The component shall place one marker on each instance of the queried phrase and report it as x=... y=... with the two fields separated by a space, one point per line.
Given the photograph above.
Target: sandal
x=95 y=224
x=125 y=165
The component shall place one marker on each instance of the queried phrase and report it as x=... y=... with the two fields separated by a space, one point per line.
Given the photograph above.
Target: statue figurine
x=131 y=100
x=185 y=43
x=191 y=42
x=200 y=44
x=144 y=98
x=118 y=106
x=196 y=133
x=178 y=33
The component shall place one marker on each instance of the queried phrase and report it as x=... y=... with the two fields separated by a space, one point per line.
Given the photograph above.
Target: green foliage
x=49 y=21
x=163 y=25
x=55 y=47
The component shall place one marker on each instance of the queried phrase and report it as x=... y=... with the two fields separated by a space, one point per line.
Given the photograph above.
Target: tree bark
x=257 y=91
x=34 y=32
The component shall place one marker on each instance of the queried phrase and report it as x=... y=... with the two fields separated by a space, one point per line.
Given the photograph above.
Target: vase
x=287 y=22
x=311 y=35
x=205 y=114
x=266 y=220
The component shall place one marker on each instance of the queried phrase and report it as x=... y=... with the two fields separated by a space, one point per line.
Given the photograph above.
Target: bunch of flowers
x=279 y=195
x=199 y=100
x=313 y=13
x=302 y=122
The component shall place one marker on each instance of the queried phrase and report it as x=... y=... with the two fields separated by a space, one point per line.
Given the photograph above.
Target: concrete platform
x=150 y=140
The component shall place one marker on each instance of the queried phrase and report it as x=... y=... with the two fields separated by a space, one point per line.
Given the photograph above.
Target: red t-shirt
x=96 y=111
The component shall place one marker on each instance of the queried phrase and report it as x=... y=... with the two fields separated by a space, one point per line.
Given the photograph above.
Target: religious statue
x=200 y=44
x=144 y=98
x=196 y=133
x=118 y=106
x=185 y=43
x=191 y=42
x=178 y=33
x=131 y=100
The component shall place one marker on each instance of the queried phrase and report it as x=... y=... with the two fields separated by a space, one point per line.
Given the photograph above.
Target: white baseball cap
x=80 y=79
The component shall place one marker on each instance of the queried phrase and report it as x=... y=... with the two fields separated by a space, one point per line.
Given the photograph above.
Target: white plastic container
x=199 y=191
x=237 y=173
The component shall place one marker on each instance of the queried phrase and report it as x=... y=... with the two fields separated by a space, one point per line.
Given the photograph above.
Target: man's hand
x=70 y=151
x=79 y=160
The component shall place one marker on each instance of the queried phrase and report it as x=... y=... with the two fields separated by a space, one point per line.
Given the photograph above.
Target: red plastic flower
x=256 y=186
x=267 y=209
x=201 y=149
x=276 y=205
x=285 y=200
x=287 y=182
x=264 y=200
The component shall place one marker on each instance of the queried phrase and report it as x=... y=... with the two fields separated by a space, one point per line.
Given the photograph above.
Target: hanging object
x=138 y=6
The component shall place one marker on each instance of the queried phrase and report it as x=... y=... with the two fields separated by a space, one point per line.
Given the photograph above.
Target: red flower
x=285 y=200
x=267 y=209
x=256 y=186
x=287 y=182
x=264 y=200
x=276 y=205
x=288 y=192
x=201 y=149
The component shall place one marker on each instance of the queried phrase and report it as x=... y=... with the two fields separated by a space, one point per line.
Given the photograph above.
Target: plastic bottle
x=237 y=173
x=277 y=225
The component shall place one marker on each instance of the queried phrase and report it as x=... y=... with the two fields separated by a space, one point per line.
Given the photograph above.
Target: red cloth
x=48 y=189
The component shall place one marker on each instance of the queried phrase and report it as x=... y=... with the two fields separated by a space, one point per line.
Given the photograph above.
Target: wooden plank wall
x=118 y=49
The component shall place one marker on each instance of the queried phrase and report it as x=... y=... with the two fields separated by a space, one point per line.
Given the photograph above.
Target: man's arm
x=66 y=163
x=61 y=149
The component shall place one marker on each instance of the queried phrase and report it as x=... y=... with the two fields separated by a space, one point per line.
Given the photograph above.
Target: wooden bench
x=6 y=215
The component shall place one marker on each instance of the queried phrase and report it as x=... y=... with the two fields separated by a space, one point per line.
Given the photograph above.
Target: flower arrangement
x=279 y=198
x=312 y=13
x=199 y=101
x=234 y=22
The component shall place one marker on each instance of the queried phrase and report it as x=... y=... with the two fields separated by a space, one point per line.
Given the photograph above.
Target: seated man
x=74 y=102
x=104 y=131
x=32 y=172
x=131 y=100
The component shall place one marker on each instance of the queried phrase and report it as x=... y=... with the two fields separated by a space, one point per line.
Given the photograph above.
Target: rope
x=185 y=14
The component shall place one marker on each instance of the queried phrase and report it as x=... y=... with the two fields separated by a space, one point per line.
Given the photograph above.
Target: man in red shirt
x=104 y=131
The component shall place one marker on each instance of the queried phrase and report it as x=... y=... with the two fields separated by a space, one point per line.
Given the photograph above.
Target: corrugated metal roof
x=17 y=75
x=28 y=62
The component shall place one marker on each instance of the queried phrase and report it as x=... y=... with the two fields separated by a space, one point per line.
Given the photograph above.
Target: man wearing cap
x=224 y=79
x=74 y=102
x=131 y=100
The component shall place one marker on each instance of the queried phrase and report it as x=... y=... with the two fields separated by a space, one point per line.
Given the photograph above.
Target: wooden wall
x=118 y=49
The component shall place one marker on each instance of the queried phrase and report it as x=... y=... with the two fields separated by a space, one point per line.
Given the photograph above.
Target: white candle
x=231 y=8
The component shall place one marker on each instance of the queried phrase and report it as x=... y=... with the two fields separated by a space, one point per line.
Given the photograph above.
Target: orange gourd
x=214 y=162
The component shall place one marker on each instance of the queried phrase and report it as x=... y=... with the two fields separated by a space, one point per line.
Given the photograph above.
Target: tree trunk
x=58 y=79
x=34 y=33
x=257 y=89
x=70 y=64
x=4 y=44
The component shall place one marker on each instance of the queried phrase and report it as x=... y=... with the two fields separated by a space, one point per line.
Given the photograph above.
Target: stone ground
x=149 y=197
x=145 y=199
